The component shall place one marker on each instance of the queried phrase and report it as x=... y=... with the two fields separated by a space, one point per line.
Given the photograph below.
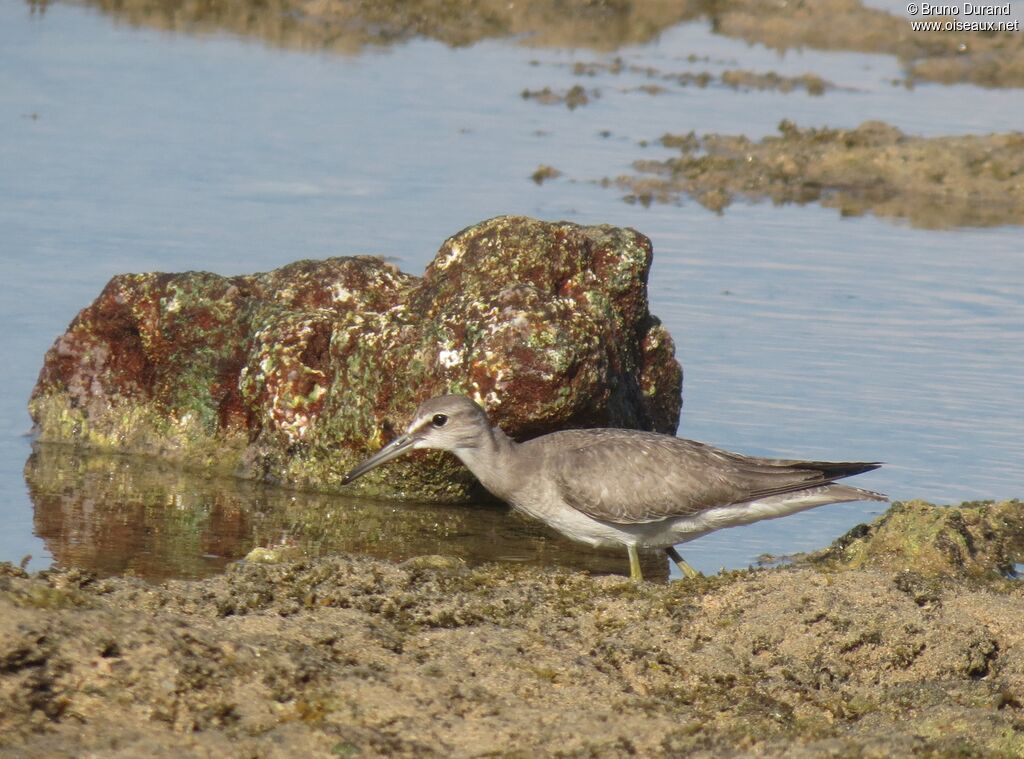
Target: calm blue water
x=801 y=333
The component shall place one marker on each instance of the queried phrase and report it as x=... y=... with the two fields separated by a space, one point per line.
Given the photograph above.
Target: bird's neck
x=493 y=462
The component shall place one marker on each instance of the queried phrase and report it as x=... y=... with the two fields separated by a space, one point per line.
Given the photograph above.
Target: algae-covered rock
x=973 y=539
x=292 y=376
x=355 y=657
x=933 y=182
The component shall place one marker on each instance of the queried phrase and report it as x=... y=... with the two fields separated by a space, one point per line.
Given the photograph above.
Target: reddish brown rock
x=294 y=375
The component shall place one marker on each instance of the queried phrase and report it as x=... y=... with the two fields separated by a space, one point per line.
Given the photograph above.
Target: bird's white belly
x=577 y=525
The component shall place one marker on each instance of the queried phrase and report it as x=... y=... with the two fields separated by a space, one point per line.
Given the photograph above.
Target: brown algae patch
x=571 y=98
x=355 y=656
x=933 y=182
x=663 y=83
x=737 y=79
x=544 y=172
x=740 y=79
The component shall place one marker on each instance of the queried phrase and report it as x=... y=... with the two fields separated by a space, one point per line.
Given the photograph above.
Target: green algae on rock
x=294 y=375
x=980 y=540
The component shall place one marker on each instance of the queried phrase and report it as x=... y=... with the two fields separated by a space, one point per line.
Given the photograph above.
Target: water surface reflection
x=114 y=514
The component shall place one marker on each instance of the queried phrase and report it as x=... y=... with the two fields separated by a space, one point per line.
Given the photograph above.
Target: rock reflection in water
x=113 y=515
x=348 y=27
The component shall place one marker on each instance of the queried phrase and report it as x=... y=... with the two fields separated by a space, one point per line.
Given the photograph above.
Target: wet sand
x=351 y=656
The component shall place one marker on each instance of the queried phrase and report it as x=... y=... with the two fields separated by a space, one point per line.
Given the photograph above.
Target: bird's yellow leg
x=634 y=564
x=685 y=568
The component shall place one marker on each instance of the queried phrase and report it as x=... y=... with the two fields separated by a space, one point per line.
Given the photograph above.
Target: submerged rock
x=294 y=375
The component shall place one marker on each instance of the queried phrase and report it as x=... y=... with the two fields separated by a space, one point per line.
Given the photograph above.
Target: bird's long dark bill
x=392 y=450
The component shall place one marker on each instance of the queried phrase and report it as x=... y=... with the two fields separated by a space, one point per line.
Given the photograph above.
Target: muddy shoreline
x=352 y=656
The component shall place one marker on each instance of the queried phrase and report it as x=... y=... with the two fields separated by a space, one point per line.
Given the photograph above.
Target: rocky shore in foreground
x=870 y=648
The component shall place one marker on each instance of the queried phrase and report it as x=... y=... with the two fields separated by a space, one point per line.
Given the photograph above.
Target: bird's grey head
x=447 y=423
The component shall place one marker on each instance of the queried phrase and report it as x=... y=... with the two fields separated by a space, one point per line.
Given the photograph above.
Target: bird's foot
x=680 y=562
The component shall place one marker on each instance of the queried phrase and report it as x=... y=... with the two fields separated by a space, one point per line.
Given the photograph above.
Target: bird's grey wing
x=624 y=476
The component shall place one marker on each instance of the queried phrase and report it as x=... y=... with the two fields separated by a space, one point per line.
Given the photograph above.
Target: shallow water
x=801 y=333
x=119 y=514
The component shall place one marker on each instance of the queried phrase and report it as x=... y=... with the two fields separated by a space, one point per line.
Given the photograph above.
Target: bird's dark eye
x=439 y=420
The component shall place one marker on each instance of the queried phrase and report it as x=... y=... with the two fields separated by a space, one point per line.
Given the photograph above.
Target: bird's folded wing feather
x=625 y=476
